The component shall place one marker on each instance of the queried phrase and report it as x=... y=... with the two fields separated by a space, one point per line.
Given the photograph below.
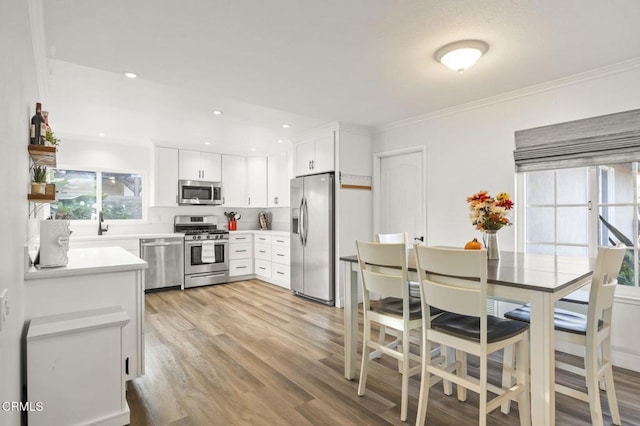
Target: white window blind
x=609 y=139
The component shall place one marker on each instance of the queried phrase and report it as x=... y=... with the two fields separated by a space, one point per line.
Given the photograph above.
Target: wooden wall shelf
x=43 y=155
x=47 y=197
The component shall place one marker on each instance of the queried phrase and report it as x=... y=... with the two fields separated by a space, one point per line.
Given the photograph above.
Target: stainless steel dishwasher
x=165 y=257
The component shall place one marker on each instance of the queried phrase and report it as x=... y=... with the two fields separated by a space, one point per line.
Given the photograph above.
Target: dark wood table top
x=538 y=272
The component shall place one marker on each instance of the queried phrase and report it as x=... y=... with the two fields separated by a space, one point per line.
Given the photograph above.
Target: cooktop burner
x=199 y=228
x=204 y=231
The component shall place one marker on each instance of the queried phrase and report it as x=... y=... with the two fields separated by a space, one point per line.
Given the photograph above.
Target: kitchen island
x=94 y=278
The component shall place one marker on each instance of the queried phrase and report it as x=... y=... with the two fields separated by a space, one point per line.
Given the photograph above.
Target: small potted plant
x=51 y=139
x=39 y=180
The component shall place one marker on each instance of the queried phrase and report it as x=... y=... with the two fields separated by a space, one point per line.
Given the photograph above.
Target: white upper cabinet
x=316 y=154
x=257 y=182
x=196 y=165
x=234 y=180
x=244 y=181
x=166 y=177
x=277 y=181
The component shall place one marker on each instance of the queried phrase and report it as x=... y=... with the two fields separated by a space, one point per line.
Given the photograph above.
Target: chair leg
x=593 y=385
x=483 y=389
x=365 y=357
x=404 y=404
x=461 y=371
x=610 y=388
x=522 y=375
x=425 y=381
x=381 y=336
x=507 y=375
x=445 y=355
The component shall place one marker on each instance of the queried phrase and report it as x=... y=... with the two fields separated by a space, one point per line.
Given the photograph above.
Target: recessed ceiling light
x=253 y=149
x=101 y=134
x=461 y=55
x=207 y=143
x=217 y=112
x=130 y=74
x=285 y=126
x=280 y=141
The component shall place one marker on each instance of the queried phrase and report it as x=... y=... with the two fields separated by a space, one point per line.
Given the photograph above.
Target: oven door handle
x=213 y=274
x=177 y=243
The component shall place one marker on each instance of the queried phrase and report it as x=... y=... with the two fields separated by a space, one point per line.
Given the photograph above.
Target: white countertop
x=123 y=236
x=257 y=231
x=88 y=261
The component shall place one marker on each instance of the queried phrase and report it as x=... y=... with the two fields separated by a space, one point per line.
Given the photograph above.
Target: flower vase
x=491 y=243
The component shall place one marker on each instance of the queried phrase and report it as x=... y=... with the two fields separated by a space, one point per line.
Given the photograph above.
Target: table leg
x=543 y=407
x=350 y=279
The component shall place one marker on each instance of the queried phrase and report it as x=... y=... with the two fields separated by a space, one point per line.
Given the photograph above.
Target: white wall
x=18 y=95
x=471 y=149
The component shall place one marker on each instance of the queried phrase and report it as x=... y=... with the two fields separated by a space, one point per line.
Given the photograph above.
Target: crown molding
x=515 y=94
x=38 y=43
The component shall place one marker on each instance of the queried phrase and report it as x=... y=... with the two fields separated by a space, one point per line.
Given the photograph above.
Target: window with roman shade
x=607 y=139
x=579 y=189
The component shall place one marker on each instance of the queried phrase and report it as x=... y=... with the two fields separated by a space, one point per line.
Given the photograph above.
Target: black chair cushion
x=579 y=297
x=467 y=327
x=568 y=321
x=393 y=305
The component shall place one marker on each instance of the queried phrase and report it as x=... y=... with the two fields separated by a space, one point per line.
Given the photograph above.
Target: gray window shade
x=612 y=138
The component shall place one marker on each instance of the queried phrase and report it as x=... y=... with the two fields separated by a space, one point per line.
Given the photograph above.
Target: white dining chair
x=592 y=332
x=384 y=272
x=455 y=281
x=414 y=292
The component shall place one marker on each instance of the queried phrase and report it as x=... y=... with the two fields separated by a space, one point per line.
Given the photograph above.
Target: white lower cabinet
x=272 y=259
x=240 y=254
x=261 y=254
x=75 y=368
x=263 y=269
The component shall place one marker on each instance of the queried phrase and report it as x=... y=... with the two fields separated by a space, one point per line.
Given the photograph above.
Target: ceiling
x=304 y=63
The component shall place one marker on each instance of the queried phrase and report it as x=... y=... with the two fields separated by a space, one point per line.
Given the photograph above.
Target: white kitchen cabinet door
x=166 y=177
x=196 y=165
x=211 y=166
x=234 y=177
x=257 y=182
x=316 y=155
x=305 y=153
x=190 y=165
x=324 y=153
x=277 y=181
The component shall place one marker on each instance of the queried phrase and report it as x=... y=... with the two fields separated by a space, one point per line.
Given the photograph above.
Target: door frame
x=377 y=160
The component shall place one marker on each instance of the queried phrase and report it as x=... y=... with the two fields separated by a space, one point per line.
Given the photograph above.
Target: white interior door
x=400 y=197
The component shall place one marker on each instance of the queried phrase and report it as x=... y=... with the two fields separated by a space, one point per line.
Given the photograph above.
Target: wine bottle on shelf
x=47 y=128
x=38 y=128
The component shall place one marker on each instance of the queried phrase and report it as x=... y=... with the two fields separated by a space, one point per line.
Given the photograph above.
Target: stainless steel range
x=206 y=250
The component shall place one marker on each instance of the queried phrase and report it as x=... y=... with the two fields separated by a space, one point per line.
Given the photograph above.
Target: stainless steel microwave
x=198 y=192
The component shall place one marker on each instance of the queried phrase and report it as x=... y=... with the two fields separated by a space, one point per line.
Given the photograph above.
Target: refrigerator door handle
x=300 y=222
x=306 y=221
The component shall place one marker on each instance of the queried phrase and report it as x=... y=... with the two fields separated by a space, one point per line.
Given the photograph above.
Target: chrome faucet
x=101 y=229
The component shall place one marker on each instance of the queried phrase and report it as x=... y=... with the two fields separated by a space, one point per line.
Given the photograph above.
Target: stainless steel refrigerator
x=312 y=242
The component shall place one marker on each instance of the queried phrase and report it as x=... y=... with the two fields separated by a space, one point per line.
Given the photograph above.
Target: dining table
x=537 y=279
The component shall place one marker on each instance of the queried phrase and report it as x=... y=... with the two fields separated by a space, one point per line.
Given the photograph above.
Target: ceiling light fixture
x=461 y=55
x=280 y=141
x=285 y=126
x=130 y=75
x=217 y=112
x=207 y=143
x=253 y=149
x=101 y=134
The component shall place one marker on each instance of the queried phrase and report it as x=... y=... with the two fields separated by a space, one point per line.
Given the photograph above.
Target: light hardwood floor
x=253 y=353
